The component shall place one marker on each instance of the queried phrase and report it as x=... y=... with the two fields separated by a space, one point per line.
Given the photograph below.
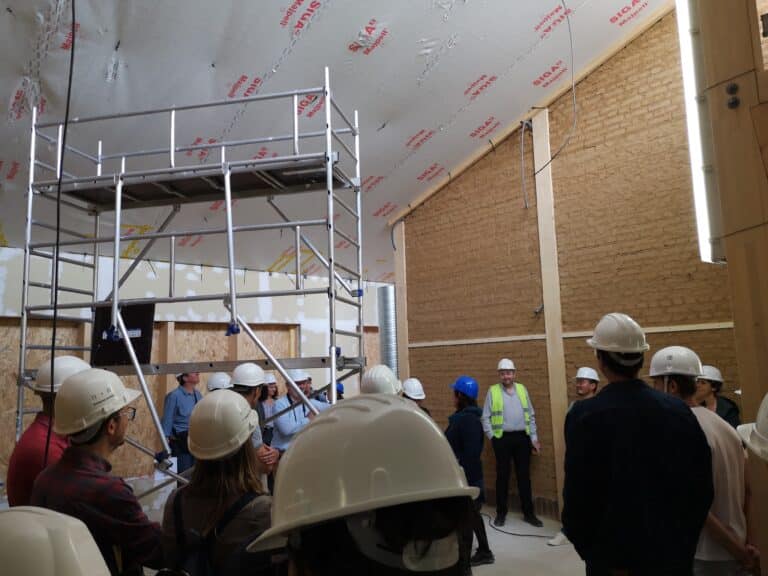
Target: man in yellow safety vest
x=510 y=423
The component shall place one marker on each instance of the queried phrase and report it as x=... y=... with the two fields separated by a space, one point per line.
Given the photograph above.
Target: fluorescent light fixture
x=693 y=119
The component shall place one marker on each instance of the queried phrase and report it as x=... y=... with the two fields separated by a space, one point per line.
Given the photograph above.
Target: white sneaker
x=559 y=540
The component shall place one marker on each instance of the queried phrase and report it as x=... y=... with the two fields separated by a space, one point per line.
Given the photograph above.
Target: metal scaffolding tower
x=109 y=187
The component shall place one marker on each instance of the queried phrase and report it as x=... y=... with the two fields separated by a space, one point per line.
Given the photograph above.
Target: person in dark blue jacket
x=465 y=435
x=638 y=469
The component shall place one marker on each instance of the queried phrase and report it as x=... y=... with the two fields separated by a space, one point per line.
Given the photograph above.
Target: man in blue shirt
x=287 y=425
x=177 y=409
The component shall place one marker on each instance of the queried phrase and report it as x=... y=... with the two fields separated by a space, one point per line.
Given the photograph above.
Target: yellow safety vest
x=497 y=408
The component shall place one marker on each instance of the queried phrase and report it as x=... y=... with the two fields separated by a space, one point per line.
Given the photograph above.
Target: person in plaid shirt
x=92 y=410
x=35 y=450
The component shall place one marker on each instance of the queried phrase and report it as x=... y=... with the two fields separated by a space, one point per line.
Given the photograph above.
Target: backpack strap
x=231 y=512
x=207 y=545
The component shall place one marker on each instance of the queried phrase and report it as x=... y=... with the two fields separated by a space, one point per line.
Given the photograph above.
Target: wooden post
x=293 y=341
x=550 y=288
x=401 y=302
x=737 y=98
x=166 y=355
x=235 y=347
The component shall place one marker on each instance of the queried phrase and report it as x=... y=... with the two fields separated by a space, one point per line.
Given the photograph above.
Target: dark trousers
x=592 y=570
x=515 y=447
x=184 y=460
x=476 y=527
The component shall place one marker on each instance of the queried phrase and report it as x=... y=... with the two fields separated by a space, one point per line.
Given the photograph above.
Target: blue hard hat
x=467 y=386
x=339 y=388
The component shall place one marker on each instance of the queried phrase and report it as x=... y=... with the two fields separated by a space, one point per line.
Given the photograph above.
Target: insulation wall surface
x=626 y=242
x=626 y=229
x=473 y=254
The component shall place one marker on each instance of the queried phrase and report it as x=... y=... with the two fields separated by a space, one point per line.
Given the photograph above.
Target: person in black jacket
x=638 y=469
x=708 y=388
x=465 y=435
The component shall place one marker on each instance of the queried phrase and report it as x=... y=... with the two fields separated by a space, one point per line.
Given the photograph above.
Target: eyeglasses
x=130 y=413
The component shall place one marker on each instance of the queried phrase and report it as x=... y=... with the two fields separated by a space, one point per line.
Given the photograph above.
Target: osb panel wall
x=438 y=368
x=127 y=461
x=624 y=211
x=203 y=342
x=473 y=255
x=197 y=342
x=39 y=333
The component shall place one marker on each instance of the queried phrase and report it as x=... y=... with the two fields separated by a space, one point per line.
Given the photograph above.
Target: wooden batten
x=401 y=302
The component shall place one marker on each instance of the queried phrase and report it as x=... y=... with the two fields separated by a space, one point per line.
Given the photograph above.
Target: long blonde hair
x=226 y=480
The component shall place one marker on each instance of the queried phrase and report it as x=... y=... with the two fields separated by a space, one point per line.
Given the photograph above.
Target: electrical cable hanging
x=573 y=95
x=55 y=260
x=523 y=126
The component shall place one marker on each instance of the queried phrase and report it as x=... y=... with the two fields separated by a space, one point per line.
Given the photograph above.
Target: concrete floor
x=526 y=555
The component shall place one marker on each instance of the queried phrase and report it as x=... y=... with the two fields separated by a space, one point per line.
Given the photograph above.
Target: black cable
x=523 y=126
x=490 y=525
x=55 y=261
x=573 y=94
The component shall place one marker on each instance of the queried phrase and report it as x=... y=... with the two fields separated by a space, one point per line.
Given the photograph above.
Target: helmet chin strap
x=441 y=554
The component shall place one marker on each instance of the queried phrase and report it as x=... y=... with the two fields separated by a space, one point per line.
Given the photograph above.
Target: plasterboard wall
x=151 y=279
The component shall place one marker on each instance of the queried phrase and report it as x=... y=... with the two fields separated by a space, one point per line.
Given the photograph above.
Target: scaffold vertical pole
x=25 y=279
x=359 y=210
x=113 y=334
x=233 y=328
x=332 y=352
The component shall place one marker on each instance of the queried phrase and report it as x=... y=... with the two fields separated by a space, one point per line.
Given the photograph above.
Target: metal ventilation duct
x=388 y=327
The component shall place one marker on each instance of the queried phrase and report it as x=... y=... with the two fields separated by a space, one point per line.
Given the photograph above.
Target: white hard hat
x=371 y=451
x=380 y=379
x=617 y=332
x=46 y=543
x=248 y=374
x=711 y=373
x=219 y=381
x=89 y=397
x=588 y=373
x=675 y=360
x=220 y=424
x=755 y=435
x=505 y=364
x=298 y=375
x=413 y=389
x=269 y=378
x=64 y=367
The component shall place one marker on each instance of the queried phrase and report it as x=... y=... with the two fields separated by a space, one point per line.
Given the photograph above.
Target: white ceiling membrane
x=433 y=81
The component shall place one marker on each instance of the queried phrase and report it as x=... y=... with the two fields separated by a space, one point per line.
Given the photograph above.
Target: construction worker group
x=655 y=479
